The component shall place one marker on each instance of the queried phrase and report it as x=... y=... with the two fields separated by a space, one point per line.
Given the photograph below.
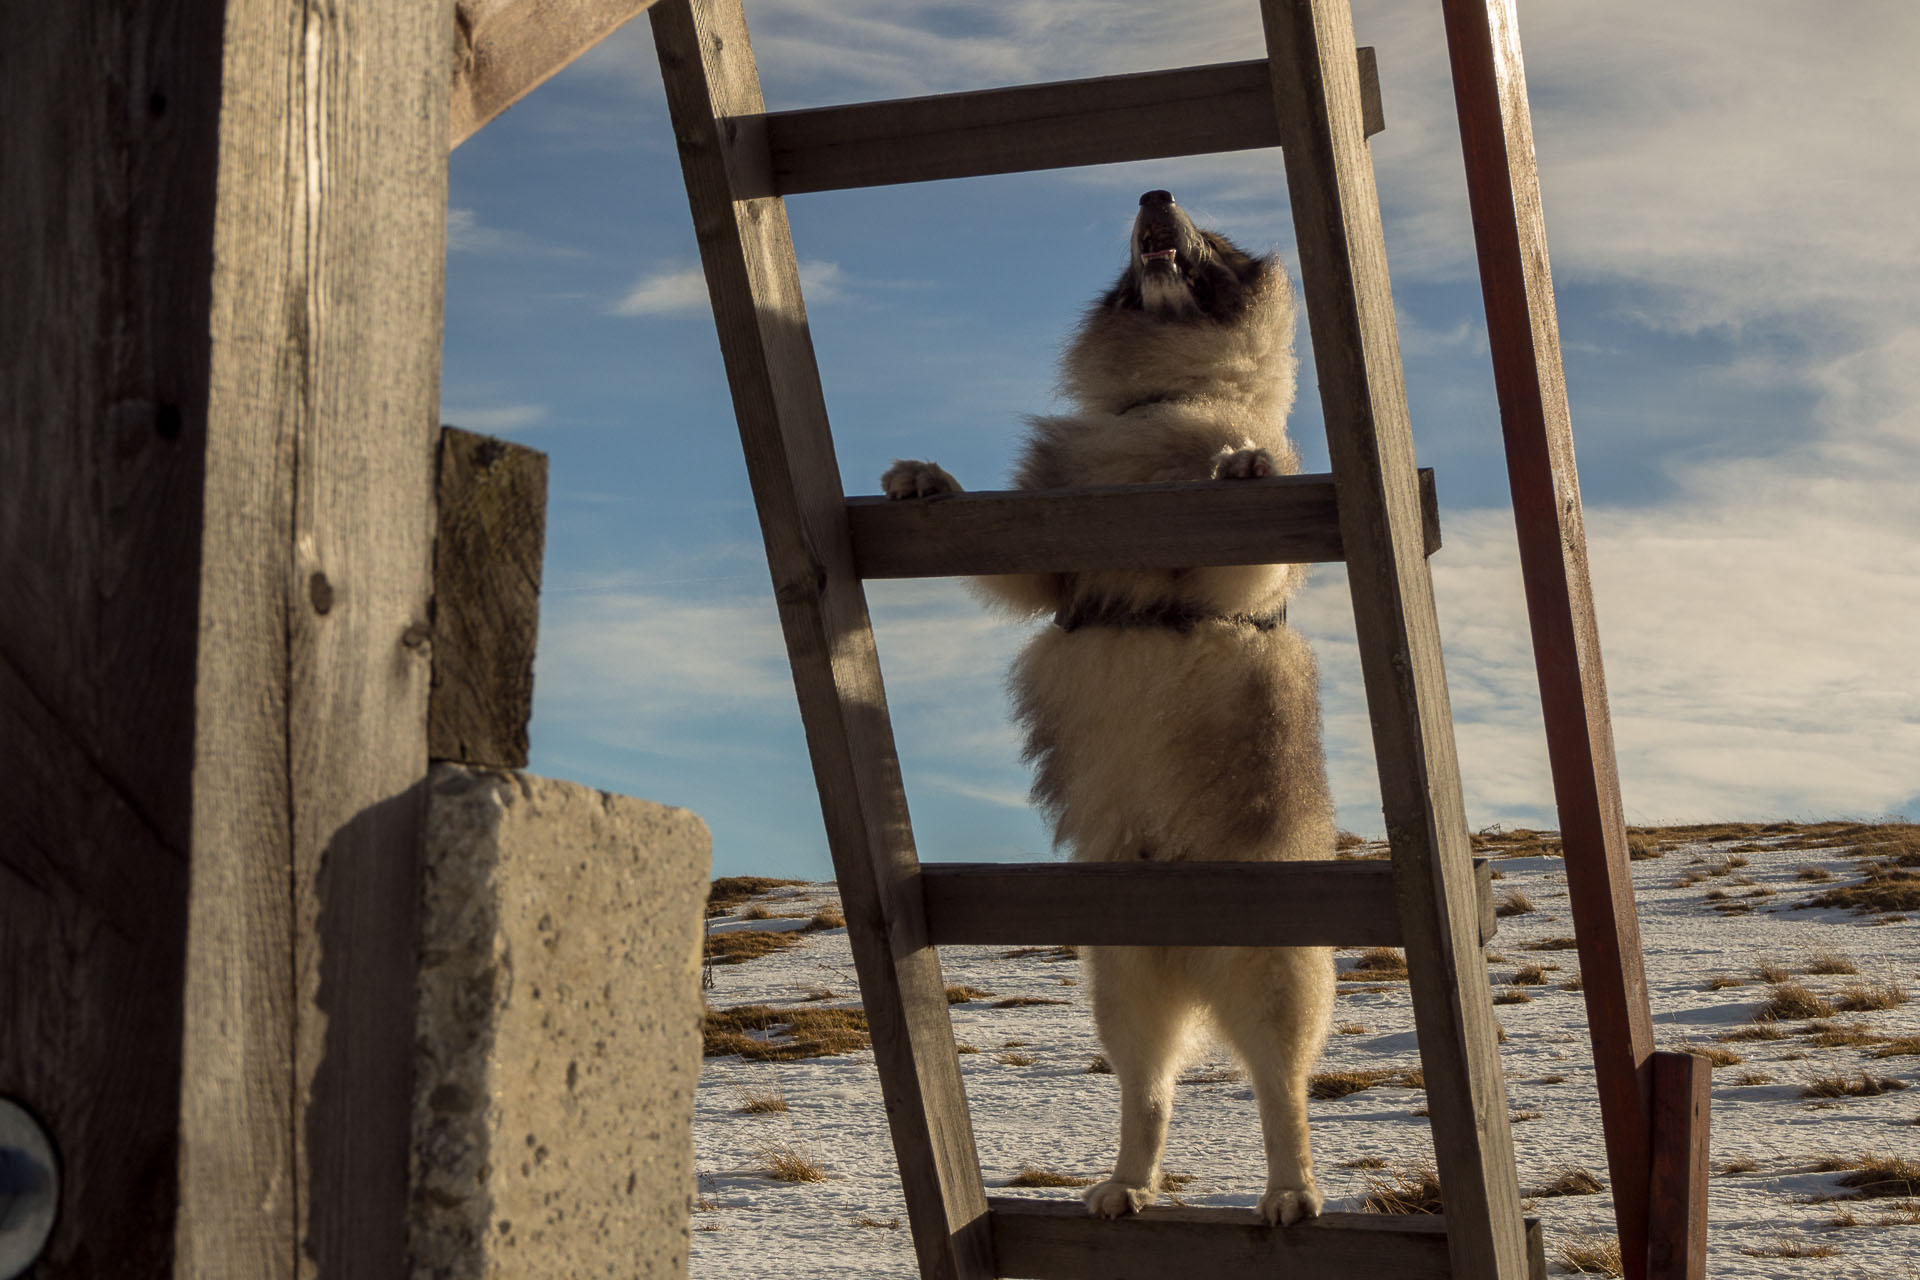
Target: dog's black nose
x=1156 y=197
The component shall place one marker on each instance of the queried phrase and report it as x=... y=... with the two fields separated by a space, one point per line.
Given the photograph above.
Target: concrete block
x=559 y=1031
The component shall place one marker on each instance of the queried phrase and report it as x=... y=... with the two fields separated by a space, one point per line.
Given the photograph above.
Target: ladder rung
x=1279 y=520
x=1145 y=116
x=1057 y=1240
x=1183 y=904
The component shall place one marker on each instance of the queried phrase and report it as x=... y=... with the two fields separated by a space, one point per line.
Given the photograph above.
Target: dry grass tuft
x=1347 y=840
x=787 y=1162
x=1515 y=996
x=1029 y=1176
x=962 y=994
x=1722 y=981
x=761 y=1100
x=1740 y=1164
x=1015 y=1059
x=1022 y=1002
x=1791 y=1002
x=1381 y=962
x=1713 y=1053
x=1773 y=973
x=1521 y=842
x=1885 y=887
x=1789 y=1247
x=1350 y=1028
x=1829 y=962
x=1365 y=1162
x=737 y=946
x=874 y=1224
x=1529 y=975
x=1569 y=1180
x=1552 y=944
x=1888 y=994
x=1758 y=1031
x=1860 y=1086
x=1338 y=1084
x=823 y=919
x=1415 y=1190
x=1748 y=1079
x=792 y=1033
x=1880 y=1177
x=1830 y=1035
x=1642 y=848
x=1045 y=953
x=1552 y=1078
x=1213 y=1075
x=1590 y=1255
x=963 y=1047
x=1812 y=874
x=728 y=892
x=1099 y=1066
x=1514 y=903
x=1903 y=1047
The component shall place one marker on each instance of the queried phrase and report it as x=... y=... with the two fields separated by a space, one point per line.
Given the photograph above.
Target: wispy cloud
x=501 y=417
x=467 y=234
x=685 y=289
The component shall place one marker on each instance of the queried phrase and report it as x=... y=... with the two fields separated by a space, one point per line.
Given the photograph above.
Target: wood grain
x=1189 y=904
x=109 y=117
x=1144 y=116
x=1056 y=1240
x=321 y=425
x=1278 y=520
x=1677 y=1182
x=1336 y=216
x=713 y=92
x=1496 y=132
x=505 y=49
x=491 y=500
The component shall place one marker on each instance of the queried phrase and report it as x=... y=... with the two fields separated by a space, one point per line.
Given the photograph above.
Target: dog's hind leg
x=1272 y=1006
x=1146 y=1018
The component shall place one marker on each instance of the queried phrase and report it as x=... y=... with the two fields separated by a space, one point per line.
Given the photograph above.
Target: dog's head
x=1179 y=271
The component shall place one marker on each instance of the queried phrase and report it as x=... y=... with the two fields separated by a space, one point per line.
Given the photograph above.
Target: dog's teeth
x=1158 y=255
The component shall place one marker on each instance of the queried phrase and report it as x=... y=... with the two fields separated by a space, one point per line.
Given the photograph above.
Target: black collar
x=1173 y=616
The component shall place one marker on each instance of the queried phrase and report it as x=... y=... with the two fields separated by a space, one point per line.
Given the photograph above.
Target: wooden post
x=1682 y=1114
x=490 y=535
x=1496 y=134
x=215 y=540
x=1336 y=218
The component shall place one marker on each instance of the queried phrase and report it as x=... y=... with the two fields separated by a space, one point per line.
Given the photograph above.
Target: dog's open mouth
x=1158 y=244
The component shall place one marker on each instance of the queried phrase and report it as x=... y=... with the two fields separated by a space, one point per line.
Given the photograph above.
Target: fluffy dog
x=1172 y=715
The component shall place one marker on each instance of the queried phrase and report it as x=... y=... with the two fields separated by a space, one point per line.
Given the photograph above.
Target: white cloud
x=466 y=234
x=503 y=417
x=671 y=292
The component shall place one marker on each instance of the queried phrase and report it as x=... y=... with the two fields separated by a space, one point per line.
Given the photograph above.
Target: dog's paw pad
x=910 y=479
x=1243 y=464
x=1113 y=1199
x=1284 y=1206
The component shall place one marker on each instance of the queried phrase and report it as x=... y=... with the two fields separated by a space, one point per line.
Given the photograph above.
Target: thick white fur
x=1199 y=745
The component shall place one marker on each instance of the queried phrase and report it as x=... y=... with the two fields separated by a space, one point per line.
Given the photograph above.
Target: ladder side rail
x=1146 y=115
x=1503 y=188
x=1350 y=308
x=747 y=250
x=1277 y=520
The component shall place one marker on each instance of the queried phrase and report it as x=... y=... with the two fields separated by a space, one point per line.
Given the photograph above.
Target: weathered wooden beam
x=1144 y=116
x=490 y=536
x=1343 y=266
x=1677 y=1181
x=1503 y=189
x=1279 y=520
x=1175 y=904
x=746 y=246
x=1055 y=1240
x=505 y=49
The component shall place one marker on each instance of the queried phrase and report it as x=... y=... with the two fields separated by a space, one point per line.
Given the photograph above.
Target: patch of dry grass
x=1642 y=848
x=1022 y=1002
x=1569 y=1180
x=823 y=919
x=960 y=993
x=1830 y=1035
x=1343 y=840
x=1513 y=903
x=789 y=1162
x=728 y=892
x=1812 y=874
x=1015 y=1059
x=1789 y=1002
x=1758 y=1031
x=1904 y=1046
x=1411 y=1190
x=1882 y=1176
x=1213 y=1075
x=1529 y=975
x=737 y=946
x=963 y=1047
x=1365 y=1162
x=1790 y=1247
x=874 y=1224
x=793 y=1033
x=1713 y=1053
x=1860 y=1086
x=1774 y=973
x=1515 y=996
x=1749 y=1079
x=1722 y=981
x=1350 y=1028
x=1829 y=962
x=1045 y=953
x=1521 y=842
x=1099 y=1066
x=1885 y=887
x=1339 y=1084
x=1869 y=998
x=1551 y=944
x=1739 y=1164
x=1381 y=962
x=760 y=1099
x=1029 y=1176
x=1590 y=1255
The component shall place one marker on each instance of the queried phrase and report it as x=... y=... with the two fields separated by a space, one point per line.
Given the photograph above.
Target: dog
x=1172 y=715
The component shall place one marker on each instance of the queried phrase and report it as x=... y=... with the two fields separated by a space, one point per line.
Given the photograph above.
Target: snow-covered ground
x=1034 y=1102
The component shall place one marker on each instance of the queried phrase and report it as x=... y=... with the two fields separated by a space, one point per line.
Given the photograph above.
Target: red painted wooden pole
x=1496 y=135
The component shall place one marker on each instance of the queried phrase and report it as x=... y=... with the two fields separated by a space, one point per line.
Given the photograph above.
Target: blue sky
x=1730 y=192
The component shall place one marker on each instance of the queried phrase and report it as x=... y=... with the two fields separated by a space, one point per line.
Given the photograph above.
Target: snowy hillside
x=1725 y=935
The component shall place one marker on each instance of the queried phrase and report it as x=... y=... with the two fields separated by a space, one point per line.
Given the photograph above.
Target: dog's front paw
x=1114 y=1198
x=1242 y=464
x=1284 y=1206
x=909 y=479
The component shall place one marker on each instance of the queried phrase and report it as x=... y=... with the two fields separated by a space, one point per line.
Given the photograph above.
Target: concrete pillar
x=559 y=1031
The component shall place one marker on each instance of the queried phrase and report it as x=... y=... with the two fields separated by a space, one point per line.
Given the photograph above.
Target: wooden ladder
x=1317 y=100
